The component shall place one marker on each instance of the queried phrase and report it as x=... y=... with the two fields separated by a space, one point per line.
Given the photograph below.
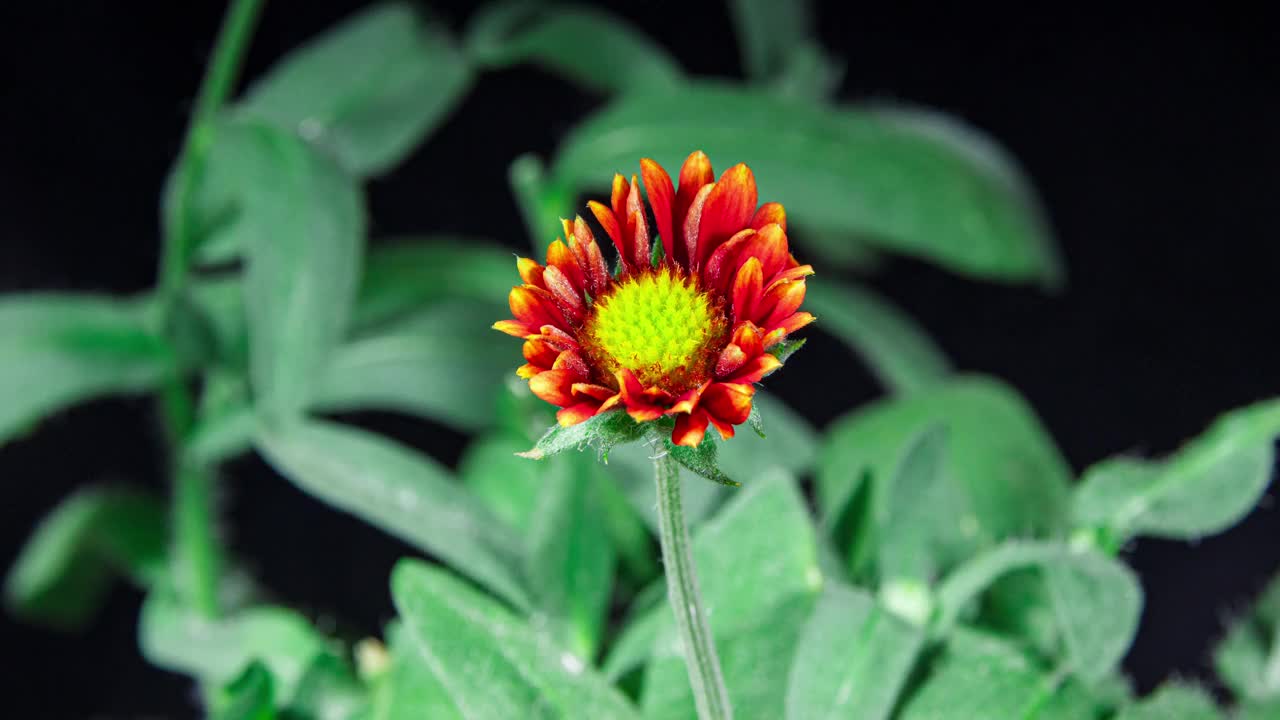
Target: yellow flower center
x=657 y=325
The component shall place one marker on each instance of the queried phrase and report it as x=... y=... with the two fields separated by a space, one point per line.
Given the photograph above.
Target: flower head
x=683 y=328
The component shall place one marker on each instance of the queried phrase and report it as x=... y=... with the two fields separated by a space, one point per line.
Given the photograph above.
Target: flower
x=683 y=328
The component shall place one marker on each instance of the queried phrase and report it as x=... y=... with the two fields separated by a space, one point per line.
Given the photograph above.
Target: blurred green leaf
x=1258 y=710
x=410 y=690
x=215 y=651
x=570 y=561
x=588 y=46
x=328 y=690
x=542 y=200
x=57 y=350
x=491 y=664
x=404 y=275
x=400 y=492
x=304 y=225
x=1202 y=489
x=1096 y=600
x=64 y=571
x=853 y=659
x=758 y=589
x=1013 y=479
x=250 y=696
x=790 y=443
x=1174 y=701
x=838 y=171
x=368 y=90
x=917 y=530
x=1248 y=659
x=220 y=301
x=507 y=484
x=980 y=676
x=769 y=31
x=443 y=363
x=631 y=466
x=602 y=433
x=808 y=72
x=898 y=352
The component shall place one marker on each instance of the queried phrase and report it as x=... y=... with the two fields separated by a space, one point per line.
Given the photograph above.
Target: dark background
x=1151 y=138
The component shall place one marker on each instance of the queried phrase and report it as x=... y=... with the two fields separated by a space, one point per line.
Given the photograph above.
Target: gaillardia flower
x=683 y=328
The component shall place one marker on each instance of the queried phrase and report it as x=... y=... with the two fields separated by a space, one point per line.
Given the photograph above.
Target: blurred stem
x=686 y=601
x=197 y=554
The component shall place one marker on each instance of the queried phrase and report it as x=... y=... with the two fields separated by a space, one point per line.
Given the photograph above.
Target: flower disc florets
x=685 y=331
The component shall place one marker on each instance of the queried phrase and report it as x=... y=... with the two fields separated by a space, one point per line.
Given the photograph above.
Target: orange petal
x=747 y=336
x=530 y=272
x=608 y=221
x=591 y=390
x=638 y=230
x=781 y=302
x=692 y=221
x=566 y=294
x=558 y=338
x=770 y=246
x=747 y=287
x=538 y=352
x=657 y=185
x=571 y=361
x=515 y=328
x=770 y=213
x=554 y=386
x=535 y=306
x=795 y=322
x=754 y=371
x=688 y=401
x=527 y=371
x=797 y=272
x=725 y=429
x=728 y=209
x=577 y=413
x=640 y=402
x=690 y=429
x=695 y=174
x=731 y=358
x=729 y=402
x=587 y=251
x=618 y=198
x=561 y=257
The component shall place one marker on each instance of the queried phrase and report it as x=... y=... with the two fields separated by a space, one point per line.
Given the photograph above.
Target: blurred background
x=1151 y=139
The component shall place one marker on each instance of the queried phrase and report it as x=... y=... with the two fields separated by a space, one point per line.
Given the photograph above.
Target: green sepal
x=700 y=460
x=756 y=422
x=785 y=349
x=602 y=432
x=658 y=254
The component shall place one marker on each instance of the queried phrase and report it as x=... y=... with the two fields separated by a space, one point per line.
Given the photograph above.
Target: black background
x=1151 y=138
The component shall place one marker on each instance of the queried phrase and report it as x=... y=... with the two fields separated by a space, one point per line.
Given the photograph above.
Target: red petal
x=640 y=402
x=731 y=358
x=747 y=287
x=560 y=256
x=538 y=352
x=638 y=229
x=729 y=402
x=688 y=401
x=566 y=294
x=527 y=371
x=587 y=250
x=554 y=386
x=530 y=272
x=692 y=220
x=618 y=198
x=770 y=212
x=608 y=221
x=690 y=429
x=515 y=328
x=535 y=306
x=694 y=175
x=756 y=370
x=558 y=338
x=747 y=337
x=657 y=185
x=797 y=272
x=723 y=263
x=795 y=322
x=781 y=302
x=571 y=361
x=575 y=414
x=725 y=429
x=770 y=246
x=728 y=209
x=591 y=390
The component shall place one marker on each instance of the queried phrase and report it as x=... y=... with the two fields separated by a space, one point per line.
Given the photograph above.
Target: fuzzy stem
x=197 y=553
x=709 y=693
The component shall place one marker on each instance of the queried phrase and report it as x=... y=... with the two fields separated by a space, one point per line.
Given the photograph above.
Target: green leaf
x=250 y=696
x=62 y=574
x=214 y=651
x=588 y=46
x=918 y=535
x=328 y=690
x=790 y=442
x=490 y=663
x=411 y=690
x=443 y=363
x=1202 y=489
x=838 y=171
x=1258 y=710
x=1174 y=701
x=758 y=589
x=368 y=90
x=701 y=460
x=897 y=351
x=1013 y=479
x=980 y=676
x=768 y=31
x=602 y=432
x=570 y=560
x=57 y=350
x=404 y=275
x=853 y=659
x=1248 y=659
x=401 y=492
x=1096 y=600
x=303 y=222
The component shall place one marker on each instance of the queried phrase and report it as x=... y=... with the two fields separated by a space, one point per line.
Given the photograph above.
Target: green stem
x=709 y=693
x=197 y=553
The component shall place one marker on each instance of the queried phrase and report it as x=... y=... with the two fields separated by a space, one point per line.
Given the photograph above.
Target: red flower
x=682 y=331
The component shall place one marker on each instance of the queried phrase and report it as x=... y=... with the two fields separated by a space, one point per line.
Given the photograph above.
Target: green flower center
x=657 y=325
